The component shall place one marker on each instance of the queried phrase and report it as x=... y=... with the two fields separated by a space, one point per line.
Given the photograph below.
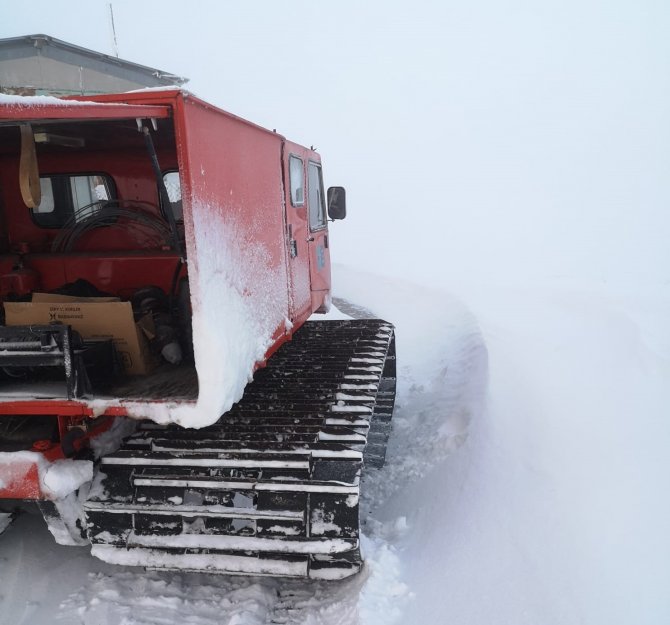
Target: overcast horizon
x=495 y=143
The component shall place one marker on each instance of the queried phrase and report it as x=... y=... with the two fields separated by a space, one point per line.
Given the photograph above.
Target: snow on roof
x=15 y=109
x=164 y=88
x=41 y=100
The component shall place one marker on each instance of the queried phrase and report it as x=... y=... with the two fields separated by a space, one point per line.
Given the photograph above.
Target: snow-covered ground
x=526 y=481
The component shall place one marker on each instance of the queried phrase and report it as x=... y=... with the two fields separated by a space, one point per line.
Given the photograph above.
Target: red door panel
x=319 y=254
x=295 y=164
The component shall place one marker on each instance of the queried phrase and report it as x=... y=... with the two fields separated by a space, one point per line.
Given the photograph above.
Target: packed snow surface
x=65 y=476
x=5 y=520
x=57 y=479
x=525 y=483
x=239 y=301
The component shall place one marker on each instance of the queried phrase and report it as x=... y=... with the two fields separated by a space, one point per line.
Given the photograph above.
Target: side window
x=173 y=186
x=317 y=203
x=65 y=196
x=47 y=204
x=297 y=180
x=87 y=194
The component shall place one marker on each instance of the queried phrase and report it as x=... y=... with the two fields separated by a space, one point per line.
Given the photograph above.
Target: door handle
x=309 y=239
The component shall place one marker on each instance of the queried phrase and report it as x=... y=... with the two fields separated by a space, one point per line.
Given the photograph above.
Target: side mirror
x=337 y=203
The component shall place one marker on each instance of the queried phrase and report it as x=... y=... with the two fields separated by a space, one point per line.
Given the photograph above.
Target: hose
x=108 y=215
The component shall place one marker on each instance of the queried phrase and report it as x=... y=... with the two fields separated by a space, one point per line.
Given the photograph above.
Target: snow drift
x=539 y=500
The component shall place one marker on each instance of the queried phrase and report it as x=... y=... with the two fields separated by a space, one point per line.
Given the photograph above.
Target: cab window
x=173 y=187
x=317 y=202
x=65 y=196
x=297 y=180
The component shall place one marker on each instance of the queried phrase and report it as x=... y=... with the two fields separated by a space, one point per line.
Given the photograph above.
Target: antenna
x=115 y=44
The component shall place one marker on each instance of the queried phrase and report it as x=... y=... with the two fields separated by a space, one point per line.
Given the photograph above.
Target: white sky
x=479 y=141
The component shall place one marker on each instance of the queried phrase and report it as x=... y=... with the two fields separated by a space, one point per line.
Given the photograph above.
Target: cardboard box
x=57 y=298
x=93 y=318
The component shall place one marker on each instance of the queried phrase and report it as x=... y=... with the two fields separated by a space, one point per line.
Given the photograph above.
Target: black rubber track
x=271 y=488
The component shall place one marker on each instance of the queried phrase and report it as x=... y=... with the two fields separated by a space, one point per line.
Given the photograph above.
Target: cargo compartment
x=93 y=262
x=210 y=229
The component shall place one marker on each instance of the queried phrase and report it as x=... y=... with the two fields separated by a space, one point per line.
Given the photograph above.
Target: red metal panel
x=45 y=109
x=44 y=407
x=319 y=252
x=119 y=275
x=20 y=479
x=54 y=407
x=232 y=179
x=232 y=173
x=129 y=169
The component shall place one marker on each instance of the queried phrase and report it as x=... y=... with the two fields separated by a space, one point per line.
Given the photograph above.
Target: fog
x=485 y=142
x=515 y=154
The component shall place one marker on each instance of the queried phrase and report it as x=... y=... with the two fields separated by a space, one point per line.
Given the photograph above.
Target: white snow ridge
x=518 y=488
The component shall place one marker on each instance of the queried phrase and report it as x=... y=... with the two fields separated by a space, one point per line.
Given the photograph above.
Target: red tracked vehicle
x=155 y=252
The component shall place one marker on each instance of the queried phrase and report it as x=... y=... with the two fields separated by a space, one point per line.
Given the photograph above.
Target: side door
x=319 y=253
x=297 y=230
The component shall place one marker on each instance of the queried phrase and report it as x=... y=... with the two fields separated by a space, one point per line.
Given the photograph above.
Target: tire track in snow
x=432 y=416
x=442 y=385
x=162 y=598
x=317 y=603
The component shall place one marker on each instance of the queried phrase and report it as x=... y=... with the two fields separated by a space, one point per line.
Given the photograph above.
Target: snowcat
x=163 y=395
